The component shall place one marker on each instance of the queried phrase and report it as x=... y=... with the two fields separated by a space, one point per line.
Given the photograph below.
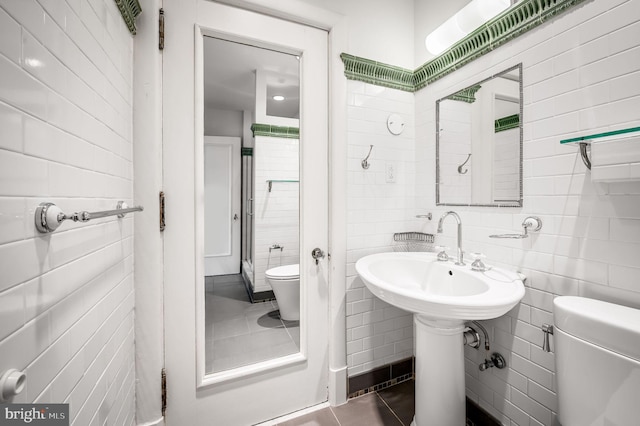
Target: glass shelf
x=584 y=141
x=271 y=181
x=590 y=138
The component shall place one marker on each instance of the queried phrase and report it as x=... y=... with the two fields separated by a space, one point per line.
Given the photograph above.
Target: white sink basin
x=419 y=283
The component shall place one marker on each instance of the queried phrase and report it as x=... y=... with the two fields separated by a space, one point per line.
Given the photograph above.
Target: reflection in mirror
x=479 y=143
x=251 y=204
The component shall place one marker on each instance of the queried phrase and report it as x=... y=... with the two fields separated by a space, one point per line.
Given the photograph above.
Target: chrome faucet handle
x=477 y=264
x=442 y=255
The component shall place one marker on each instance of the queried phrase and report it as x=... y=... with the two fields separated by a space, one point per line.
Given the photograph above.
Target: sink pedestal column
x=440 y=388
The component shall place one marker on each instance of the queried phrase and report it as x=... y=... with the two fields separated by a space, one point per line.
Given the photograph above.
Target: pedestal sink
x=442 y=296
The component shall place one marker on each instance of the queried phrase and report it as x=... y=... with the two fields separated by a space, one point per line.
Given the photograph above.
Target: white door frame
x=179 y=253
x=148 y=240
x=227 y=259
x=204 y=380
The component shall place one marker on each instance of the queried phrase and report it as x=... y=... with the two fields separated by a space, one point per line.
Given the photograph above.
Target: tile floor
x=393 y=406
x=239 y=332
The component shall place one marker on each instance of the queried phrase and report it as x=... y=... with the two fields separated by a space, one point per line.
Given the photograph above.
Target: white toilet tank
x=597 y=348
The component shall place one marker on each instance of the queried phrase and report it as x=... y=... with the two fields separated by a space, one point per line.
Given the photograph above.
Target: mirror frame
x=203 y=379
x=516 y=203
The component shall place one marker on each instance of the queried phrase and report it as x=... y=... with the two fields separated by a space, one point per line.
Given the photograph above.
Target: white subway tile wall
x=276 y=213
x=581 y=74
x=66 y=299
x=377 y=333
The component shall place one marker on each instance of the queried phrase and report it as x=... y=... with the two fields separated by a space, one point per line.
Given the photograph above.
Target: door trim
x=336 y=25
x=203 y=380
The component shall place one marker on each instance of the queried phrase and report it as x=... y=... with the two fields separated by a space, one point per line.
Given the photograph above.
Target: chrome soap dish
x=530 y=224
x=413 y=241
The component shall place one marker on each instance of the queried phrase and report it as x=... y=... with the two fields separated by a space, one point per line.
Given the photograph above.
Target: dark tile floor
x=392 y=406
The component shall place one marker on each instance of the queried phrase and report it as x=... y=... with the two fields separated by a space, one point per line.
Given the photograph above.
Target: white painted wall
x=581 y=76
x=67 y=299
x=218 y=122
x=381 y=30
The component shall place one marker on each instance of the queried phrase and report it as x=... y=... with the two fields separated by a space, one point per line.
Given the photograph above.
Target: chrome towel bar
x=49 y=217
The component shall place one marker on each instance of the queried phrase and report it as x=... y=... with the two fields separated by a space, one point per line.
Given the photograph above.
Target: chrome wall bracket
x=529 y=224
x=49 y=217
x=584 y=155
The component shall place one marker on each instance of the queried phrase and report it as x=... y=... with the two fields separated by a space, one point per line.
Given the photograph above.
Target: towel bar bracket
x=49 y=217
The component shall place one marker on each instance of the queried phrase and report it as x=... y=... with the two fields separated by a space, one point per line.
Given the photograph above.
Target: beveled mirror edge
x=517 y=203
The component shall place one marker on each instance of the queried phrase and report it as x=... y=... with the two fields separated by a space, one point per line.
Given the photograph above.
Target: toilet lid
x=283 y=272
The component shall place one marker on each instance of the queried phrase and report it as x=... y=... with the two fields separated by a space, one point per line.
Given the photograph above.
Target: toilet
x=597 y=348
x=285 y=282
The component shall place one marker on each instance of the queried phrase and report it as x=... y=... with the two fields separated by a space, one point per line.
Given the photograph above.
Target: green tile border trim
x=507 y=123
x=513 y=22
x=275 y=131
x=601 y=135
x=246 y=152
x=129 y=9
x=377 y=73
x=467 y=95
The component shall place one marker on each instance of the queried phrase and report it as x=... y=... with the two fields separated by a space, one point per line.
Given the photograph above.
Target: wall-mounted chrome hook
x=462 y=165
x=365 y=164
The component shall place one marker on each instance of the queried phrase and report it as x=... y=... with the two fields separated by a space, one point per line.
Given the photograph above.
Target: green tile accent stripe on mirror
x=129 y=9
x=514 y=21
x=506 y=123
x=466 y=95
x=275 y=131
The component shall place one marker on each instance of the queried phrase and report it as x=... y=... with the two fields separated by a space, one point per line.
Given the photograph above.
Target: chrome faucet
x=457 y=218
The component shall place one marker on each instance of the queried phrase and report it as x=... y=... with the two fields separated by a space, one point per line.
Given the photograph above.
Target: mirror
x=479 y=143
x=251 y=201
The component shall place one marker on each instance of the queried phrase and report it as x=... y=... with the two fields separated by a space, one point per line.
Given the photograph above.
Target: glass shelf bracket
x=584 y=141
x=271 y=181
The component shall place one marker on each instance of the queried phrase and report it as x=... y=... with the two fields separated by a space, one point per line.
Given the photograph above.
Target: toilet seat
x=286 y=272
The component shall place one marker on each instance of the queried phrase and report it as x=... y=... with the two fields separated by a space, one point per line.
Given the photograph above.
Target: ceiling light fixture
x=278 y=98
x=465 y=21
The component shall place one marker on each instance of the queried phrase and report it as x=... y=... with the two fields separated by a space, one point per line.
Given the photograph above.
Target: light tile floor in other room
x=239 y=332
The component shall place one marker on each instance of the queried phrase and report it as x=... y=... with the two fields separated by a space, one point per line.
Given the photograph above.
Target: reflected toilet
x=285 y=282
